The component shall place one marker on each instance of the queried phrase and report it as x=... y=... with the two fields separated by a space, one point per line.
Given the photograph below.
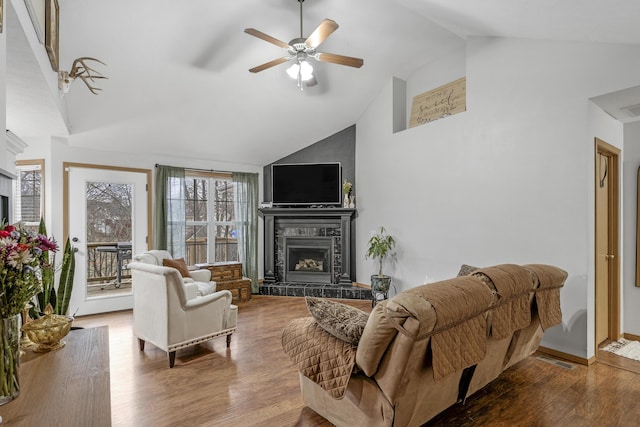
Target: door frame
x=613 y=233
x=65 y=193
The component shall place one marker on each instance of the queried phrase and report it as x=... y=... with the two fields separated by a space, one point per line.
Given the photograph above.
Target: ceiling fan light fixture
x=300 y=70
x=293 y=70
x=306 y=71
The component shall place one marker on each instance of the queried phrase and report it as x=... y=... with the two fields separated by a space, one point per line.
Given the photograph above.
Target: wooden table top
x=65 y=387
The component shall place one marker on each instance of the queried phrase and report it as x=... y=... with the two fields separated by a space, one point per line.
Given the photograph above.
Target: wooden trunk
x=228 y=275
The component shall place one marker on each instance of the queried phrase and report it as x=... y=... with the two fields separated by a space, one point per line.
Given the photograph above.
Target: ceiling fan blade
x=267 y=38
x=269 y=64
x=340 y=59
x=320 y=34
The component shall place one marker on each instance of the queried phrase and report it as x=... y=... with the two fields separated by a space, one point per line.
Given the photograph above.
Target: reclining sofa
x=425 y=349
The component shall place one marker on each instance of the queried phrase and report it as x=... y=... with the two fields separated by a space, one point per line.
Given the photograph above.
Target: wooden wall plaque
x=440 y=102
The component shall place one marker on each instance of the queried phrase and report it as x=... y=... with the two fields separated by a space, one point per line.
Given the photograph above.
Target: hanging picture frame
x=51 y=42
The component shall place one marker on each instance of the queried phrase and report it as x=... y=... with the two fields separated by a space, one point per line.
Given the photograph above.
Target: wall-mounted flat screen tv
x=306 y=184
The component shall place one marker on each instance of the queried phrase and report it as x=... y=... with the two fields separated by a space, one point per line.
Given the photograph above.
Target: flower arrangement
x=346 y=187
x=23 y=259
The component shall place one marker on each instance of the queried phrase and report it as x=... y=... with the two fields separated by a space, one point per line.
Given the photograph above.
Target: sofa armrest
x=318 y=355
x=207 y=299
x=200 y=275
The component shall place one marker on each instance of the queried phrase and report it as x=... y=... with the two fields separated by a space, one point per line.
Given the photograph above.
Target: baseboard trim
x=567 y=356
x=631 y=337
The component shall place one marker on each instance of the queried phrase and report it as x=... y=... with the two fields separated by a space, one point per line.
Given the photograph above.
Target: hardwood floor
x=255 y=384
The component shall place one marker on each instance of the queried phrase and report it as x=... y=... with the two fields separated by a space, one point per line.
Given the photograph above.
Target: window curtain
x=169 y=215
x=246 y=222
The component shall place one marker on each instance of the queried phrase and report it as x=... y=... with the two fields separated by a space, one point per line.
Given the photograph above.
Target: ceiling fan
x=301 y=49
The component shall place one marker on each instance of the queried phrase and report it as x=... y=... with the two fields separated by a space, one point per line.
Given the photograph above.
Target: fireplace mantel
x=299 y=217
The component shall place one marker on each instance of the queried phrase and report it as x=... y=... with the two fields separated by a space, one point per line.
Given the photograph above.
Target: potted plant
x=58 y=297
x=380 y=245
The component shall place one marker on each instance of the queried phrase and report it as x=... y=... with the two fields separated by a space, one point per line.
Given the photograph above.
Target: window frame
x=211 y=224
x=23 y=165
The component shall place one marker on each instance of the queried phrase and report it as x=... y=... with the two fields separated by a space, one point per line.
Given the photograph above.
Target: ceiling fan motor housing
x=299 y=45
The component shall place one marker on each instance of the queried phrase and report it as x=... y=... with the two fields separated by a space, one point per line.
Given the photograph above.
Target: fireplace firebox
x=308 y=259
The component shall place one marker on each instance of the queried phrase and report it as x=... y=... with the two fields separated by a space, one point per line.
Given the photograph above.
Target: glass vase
x=9 y=358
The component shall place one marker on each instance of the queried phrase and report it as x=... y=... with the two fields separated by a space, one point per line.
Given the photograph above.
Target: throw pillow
x=179 y=264
x=466 y=270
x=340 y=320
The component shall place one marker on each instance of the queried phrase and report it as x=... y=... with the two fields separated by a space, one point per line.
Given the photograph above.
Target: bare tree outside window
x=28 y=193
x=226 y=241
x=210 y=234
x=109 y=207
x=109 y=222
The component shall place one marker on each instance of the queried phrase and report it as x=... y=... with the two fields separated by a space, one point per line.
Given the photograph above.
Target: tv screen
x=306 y=184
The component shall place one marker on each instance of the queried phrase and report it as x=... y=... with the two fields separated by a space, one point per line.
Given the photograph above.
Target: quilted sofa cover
x=428 y=347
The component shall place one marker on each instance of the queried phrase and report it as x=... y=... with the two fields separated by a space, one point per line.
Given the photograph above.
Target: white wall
x=6 y=161
x=631 y=293
x=508 y=181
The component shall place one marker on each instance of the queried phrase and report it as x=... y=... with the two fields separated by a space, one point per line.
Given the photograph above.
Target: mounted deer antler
x=83 y=71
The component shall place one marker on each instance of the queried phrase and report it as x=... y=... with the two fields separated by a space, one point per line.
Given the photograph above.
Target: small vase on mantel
x=345 y=202
x=9 y=358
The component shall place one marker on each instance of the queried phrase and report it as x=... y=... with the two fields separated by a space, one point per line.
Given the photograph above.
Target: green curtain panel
x=169 y=215
x=246 y=211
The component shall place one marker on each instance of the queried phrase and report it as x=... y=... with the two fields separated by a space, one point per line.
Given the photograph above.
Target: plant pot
x=9 y=358
x=380 y=283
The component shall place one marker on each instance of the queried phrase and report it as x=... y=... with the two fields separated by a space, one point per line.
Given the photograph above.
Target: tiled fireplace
x=309 y=251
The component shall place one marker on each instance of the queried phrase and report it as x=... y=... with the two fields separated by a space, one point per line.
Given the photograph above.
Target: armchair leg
x=228 y=340
x=141 y=344
x=172 y=359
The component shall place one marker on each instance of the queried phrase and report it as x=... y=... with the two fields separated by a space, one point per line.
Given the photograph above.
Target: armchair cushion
x=179 y=264
x=340 y=320
x=205 y=288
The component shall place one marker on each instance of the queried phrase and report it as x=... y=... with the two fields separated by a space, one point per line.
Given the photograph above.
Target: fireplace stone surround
x=334 y=224
x=331 y=228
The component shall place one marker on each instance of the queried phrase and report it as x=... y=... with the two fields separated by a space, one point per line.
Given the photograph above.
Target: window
x=210 y=234
x=28 y=193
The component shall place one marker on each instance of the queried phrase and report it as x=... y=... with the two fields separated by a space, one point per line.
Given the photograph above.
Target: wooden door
x=607 y=283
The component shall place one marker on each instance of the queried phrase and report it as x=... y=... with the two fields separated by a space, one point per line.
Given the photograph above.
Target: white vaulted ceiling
x=178 y=71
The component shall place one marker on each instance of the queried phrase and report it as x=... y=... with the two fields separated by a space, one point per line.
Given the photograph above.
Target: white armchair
x=170 y=314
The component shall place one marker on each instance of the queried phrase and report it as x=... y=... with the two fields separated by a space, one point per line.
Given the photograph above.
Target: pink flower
x=47 y=244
